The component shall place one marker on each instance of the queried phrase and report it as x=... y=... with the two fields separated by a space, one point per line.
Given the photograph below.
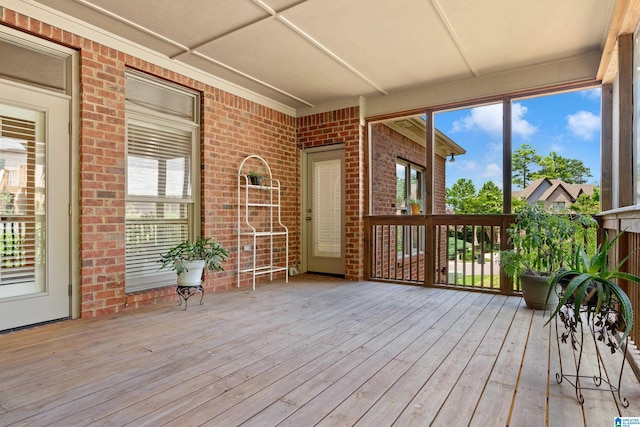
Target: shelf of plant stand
x=263 y=205
x=262 y=187
x=265 y=269
x=263 y=233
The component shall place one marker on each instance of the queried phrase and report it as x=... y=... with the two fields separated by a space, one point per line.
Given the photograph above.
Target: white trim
x=73 y=25
x=73 y=95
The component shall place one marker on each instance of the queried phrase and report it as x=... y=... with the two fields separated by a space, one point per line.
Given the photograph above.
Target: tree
x=587 y=203
x=460 y=196
x=525 y=161
x=554 y=166
x=489 y=200
x=464 y=200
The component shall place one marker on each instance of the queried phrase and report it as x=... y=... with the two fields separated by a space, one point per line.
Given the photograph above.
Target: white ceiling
x=306 y=53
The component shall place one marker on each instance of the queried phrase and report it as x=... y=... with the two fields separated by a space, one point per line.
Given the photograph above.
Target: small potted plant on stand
x=256 y=176
x=543 y=242
x=189 y=259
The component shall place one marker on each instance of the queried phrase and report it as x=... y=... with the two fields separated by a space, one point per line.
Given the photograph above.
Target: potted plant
x=543 y=242
x=415 y=206
x=589 y=286
x=189 y=259
x=255 y=176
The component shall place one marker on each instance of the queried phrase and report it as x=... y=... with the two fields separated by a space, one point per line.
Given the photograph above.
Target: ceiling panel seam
x=132 y=24
x=331 y=54
x=278 y=15
x=189 y=50
x=245 y=75
x=454 y=36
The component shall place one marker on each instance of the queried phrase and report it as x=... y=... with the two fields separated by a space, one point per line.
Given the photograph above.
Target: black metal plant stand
x=602 y=329
x=185 y=292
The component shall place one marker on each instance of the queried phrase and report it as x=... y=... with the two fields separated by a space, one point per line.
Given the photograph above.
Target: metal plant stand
x=185 y=292
x=602 y=329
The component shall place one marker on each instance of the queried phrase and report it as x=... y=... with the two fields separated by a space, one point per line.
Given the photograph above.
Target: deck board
x=316 y=351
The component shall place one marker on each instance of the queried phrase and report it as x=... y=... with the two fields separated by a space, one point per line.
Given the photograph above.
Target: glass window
x=161 y=208
x=409 y=186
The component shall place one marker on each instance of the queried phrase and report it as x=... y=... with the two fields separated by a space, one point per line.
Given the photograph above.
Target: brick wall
x=387 y=147
x=232 y=128
x=335 y=127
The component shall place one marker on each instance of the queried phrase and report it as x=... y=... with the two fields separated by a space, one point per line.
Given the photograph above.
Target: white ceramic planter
x=193 y=275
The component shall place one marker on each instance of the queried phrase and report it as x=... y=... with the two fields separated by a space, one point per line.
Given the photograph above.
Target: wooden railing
x=613 y=223
x=435 y=250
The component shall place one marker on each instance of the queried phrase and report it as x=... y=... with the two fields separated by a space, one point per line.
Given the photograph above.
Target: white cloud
x=593 y=94
x=492 y=172
x=583 y=124
x=557 y=148
x=488 y=118
x=519 y=126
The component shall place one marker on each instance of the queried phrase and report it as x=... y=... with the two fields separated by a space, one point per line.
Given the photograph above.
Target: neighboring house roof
x=542 y=189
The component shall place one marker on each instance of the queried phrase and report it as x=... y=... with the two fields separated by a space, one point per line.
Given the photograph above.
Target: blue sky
x=567 y=123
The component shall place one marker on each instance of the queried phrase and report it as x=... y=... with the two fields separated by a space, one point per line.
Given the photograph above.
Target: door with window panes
x=34 y=206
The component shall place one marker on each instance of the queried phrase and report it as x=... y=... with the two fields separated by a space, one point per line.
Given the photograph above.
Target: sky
x=567 y=123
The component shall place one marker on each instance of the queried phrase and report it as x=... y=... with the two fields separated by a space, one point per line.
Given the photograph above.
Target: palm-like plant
x=590 y=282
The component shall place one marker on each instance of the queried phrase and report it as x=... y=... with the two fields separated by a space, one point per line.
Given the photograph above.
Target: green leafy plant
x=256 y=176
x=590 y=283
x=412 y=202
x=205 y=249
x=543 y=241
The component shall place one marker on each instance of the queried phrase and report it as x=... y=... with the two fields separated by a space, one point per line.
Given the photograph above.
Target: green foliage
x=543 y=241
x=554 y=166
x=206 y=249
x=527 y=166
x=525 y=161
x=591 y=277
x=587 y=203
x=489 y=200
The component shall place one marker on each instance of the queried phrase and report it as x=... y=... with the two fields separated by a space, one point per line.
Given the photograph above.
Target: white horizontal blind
x=22 y=203
x=159 y=202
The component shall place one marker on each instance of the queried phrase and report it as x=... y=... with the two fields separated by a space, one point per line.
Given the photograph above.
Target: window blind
x=159 y=199
x=22 y=192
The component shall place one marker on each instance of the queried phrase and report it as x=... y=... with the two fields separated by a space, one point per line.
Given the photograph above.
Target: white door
x=325 y=212
x=34 y=206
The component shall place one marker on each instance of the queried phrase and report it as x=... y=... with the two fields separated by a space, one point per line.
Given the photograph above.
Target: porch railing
x=612 y=223
x=460 y=251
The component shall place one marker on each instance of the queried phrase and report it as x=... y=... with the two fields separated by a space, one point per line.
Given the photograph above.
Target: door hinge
x=70 y=290
x=69 y=125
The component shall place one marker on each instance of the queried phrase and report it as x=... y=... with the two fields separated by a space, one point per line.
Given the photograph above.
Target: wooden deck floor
x=317 y=351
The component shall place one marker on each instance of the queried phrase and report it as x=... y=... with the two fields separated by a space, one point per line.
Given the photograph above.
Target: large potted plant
x=190 y=258
x=543 y=242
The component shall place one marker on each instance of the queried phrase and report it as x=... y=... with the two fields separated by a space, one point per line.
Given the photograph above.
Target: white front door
x=325 y=212
x=34 y=206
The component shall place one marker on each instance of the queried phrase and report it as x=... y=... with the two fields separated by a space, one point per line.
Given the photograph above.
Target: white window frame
x=415 y=244
x=137 y=114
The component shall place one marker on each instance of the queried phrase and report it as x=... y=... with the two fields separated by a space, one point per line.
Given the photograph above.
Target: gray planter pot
x=534 y=292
